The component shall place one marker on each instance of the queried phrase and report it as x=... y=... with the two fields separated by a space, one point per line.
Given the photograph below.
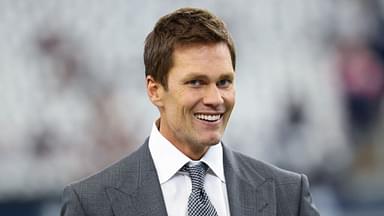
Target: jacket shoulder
x=291 y=189
x=113 y=175
x=264 y=169
x=90 y=193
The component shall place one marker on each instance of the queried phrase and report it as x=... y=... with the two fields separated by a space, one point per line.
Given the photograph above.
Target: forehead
x=202 y=58
x=202 y=48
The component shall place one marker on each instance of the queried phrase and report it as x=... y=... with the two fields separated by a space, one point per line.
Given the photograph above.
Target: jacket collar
x=249 y=193
x=139 y=191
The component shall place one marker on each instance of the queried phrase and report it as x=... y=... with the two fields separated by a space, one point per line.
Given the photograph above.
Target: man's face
x=195 y=108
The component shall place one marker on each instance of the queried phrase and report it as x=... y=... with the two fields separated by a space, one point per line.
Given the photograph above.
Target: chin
x=211 y=141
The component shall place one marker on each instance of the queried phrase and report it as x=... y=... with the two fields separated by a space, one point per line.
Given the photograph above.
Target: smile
x=208 y=117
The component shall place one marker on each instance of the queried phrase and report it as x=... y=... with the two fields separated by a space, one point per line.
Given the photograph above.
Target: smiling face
x=196 y=106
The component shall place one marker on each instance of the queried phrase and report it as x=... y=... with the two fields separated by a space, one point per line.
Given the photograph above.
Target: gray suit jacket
x=131 y=188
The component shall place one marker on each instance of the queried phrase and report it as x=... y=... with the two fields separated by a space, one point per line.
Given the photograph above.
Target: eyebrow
x=228 y=75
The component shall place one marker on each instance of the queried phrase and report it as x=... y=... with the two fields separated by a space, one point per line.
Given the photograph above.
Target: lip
x=209 y=113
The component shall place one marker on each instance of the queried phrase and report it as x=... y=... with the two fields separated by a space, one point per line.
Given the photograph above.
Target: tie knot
x=196 y=173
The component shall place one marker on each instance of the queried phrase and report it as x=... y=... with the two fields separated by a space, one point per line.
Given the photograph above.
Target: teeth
x=208 y=117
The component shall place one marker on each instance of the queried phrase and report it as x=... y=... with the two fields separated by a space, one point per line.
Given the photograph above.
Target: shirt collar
x=168 y=159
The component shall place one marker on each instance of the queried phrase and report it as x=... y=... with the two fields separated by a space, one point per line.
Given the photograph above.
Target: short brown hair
x=183 y=26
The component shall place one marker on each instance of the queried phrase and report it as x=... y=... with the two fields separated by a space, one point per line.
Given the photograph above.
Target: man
x=183 y=168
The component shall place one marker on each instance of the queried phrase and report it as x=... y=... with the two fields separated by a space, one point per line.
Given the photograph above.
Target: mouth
x=208 y=117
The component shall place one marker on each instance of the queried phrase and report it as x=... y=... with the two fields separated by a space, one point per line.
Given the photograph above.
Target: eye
x=195 y=83
x=224 y=83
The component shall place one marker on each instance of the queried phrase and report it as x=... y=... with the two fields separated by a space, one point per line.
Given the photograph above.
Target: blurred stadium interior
x=310 y=82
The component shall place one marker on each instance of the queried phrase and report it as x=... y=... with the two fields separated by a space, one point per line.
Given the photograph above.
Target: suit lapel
x=139 y=192
x=248 y=192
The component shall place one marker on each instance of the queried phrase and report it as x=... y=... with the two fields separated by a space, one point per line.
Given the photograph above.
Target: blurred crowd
x=310 y=79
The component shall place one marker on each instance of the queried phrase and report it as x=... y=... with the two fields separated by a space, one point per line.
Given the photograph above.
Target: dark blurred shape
x=75 y=72
x=43 y=143
x=296 y=114
x=50 y=43
x=58 y=47
x=21 y=208
x=363 y=80
x=361 y=68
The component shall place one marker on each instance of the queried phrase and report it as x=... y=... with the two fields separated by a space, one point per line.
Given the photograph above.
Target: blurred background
x=310 y=86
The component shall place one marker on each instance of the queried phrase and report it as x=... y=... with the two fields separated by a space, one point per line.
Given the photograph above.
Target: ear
x=155 y=91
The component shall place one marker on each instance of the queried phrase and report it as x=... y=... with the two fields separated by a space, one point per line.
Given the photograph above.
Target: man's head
x=189 y=58
x=181 y=27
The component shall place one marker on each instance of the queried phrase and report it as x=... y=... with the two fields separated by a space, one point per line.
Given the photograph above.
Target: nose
x=213 y=96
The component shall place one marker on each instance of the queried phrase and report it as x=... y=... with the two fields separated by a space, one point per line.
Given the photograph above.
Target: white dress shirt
x=176 y=185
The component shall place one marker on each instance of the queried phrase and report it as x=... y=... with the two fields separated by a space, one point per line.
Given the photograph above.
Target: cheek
x=180 y=106
x=230 y=98
x=190 y=99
